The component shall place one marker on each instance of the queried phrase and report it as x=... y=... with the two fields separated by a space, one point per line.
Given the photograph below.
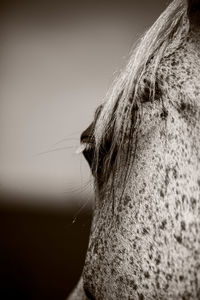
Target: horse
x=143 y=148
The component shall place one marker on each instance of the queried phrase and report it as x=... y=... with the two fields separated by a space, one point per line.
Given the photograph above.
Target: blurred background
x=58 y=59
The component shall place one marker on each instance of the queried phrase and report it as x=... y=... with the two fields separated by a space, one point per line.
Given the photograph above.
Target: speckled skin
x=150 y=247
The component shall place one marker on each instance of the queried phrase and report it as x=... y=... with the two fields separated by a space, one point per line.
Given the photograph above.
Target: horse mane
x=121 y=112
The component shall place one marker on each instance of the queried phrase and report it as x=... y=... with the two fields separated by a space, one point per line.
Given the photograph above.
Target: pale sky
x=52 y=78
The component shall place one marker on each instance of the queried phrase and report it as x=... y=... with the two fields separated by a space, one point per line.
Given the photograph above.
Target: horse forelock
x=121 y=113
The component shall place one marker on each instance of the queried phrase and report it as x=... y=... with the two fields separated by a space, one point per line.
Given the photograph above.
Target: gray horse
x=143 y=148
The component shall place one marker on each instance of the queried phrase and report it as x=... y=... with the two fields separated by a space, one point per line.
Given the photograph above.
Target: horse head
x=143 y=148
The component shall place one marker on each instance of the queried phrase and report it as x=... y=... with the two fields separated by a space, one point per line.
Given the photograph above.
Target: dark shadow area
x=42 y=250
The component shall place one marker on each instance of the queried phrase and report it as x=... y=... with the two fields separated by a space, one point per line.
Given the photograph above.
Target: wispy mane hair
x=123 y=100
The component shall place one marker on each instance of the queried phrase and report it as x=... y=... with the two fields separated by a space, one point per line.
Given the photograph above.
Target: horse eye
x=87 y=139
